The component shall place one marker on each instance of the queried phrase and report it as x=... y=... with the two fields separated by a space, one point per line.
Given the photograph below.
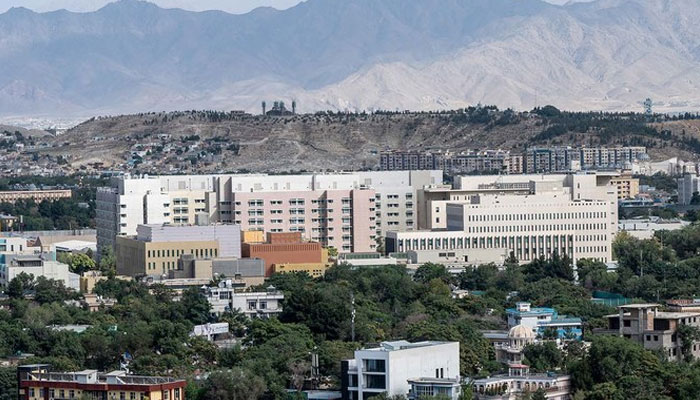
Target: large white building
x=337 y=210
x=528 y=216
x=37 y=265
x=402 y=368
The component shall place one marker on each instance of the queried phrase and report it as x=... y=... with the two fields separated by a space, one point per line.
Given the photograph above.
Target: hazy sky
x=232 y=6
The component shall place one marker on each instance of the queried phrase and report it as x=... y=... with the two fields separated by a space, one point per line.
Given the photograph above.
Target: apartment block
x=565 y=159
x=334 y=210
x=156 y=249
x=528 y=216
x=401 y=368
x=38 y=382
x=496 y=161
x=627 y=186
x=396 y=206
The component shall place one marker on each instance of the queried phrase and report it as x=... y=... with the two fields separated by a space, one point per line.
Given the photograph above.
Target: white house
x=403 y=368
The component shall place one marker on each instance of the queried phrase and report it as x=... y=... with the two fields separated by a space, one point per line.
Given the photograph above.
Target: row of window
x=535 y=217
x=533 y=228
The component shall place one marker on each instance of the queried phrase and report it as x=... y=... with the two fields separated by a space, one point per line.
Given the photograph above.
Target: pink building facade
x=339 y=218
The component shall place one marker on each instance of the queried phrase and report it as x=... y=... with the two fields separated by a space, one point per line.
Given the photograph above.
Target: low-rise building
x=646 y=228
x=37 y=382
x=287 y=249
x=37 y=195
x=94 y=302
x=156 y=249
x=655 y=330
x=248 y=271
x=519 y=382
x=37 y=265
x=402 y=368
x=252 y=304
x=211 y=332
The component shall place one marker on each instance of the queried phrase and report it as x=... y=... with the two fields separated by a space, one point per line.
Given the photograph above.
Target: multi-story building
x=402 y=368
x=288 y=252
x=494 y=161
x=565 y=159
x=688 y=188
x=37 y=195
x=627 y=186
x=396 y=197
x=655 y=330
x=156 y=249
x=530 y=217
x=510 y=350
x=252 y=304
x=543 y=319
x=37 y=382
x=336 y=210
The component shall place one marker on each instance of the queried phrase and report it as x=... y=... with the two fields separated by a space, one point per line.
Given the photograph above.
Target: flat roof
x=404 y=345
x=675 y=315
x=641 y=305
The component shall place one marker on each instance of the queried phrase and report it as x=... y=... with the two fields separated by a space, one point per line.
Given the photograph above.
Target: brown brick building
x=284 y=248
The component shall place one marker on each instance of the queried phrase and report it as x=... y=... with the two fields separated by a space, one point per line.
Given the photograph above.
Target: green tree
x=80 y=262
x=19 y=285
x=8 y=383
x=688 y=336
x=543 y=357
x=539 y=394
x=429 y=271
x=235 y=384
x=196 y=307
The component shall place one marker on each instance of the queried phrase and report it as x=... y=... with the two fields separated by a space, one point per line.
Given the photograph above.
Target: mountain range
x=132 y=56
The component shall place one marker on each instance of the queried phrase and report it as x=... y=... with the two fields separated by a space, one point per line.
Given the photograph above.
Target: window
x=263 y=305
x=376 y=381
x=252 y=304
x=375 y=365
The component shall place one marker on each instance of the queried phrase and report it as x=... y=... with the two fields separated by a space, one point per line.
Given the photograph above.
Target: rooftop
x=95 y=377
x=404 y=345
x=639 y=306
x=434 y=381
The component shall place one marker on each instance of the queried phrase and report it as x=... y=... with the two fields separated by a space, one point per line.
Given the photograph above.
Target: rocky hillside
x=222 y=142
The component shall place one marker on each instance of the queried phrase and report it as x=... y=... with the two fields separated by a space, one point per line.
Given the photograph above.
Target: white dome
x=521 y=332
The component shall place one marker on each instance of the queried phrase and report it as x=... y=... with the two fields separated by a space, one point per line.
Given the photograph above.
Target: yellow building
x=89 y=279
x=137 y=257
x=37 y=382
x=252 y=237
x=316 y=270
x=36 y=195
x=627 y=186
